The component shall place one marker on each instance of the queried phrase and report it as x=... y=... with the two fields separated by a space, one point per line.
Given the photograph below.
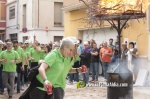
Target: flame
x=122 y=6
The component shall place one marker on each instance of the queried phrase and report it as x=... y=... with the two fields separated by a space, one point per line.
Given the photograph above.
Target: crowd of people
x=59 y=60
x=105 y=55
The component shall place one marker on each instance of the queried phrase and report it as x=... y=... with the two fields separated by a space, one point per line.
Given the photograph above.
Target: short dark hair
x=132 y=43
x=15 y=41
x=110 y=39
x=7 y=40
x=80 y=41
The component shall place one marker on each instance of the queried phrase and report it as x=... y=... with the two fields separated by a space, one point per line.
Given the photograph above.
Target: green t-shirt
x=20 y=51
x=26 y=55
x=61 y=81
x=0 y=53
x=55 y=61
x=34 y=54
x=28 y=48
x=43 y=55
x=7 y=66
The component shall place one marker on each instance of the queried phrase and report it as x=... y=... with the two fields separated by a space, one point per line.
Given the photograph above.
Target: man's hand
x=32 y=59
x=28 y=67
x=12 y=61
x=22 y=67
x=47 y=84
x=4 y=60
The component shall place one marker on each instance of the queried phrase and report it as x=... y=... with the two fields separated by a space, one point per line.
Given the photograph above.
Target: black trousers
x=58 y=93
x=33 y=64
x=26 y=71
x=39 y=94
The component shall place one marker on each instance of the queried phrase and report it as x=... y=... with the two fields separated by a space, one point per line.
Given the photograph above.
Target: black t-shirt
x=95 y=58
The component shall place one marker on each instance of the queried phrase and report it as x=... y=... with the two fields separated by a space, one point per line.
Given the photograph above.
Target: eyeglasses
x=9 y=44
x=26 y=43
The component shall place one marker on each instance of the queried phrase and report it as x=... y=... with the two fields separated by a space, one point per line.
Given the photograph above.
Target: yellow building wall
x=74 y=20
x=137 y=32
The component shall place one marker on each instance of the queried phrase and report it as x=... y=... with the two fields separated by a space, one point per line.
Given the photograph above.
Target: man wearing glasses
x=9 y=58
x=28 y=46
x=20 y=66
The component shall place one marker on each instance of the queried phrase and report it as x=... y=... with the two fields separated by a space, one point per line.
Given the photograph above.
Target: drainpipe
x=17 y=24
x=38 y=13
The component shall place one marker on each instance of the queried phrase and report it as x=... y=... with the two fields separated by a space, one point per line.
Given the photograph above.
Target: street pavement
x=71 y=92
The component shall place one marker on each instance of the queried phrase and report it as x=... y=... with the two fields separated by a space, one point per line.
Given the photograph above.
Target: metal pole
x=119 y=36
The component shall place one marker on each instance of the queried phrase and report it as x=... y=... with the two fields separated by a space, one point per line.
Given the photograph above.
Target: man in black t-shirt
x=95 y=62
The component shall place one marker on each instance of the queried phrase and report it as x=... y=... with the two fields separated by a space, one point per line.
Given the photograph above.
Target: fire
x=122 y=6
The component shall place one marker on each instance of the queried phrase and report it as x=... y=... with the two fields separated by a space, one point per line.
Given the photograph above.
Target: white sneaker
x=22 y=88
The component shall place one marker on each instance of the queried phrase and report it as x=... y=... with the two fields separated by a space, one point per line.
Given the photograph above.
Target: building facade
x=2 y=19
x=75 y=26
x=42 y=18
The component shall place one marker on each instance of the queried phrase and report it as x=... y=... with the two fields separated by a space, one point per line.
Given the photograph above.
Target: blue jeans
x=71 y=76
x=18 y=81
x=105 y=68
x=95 y=68
x=86 y=76
x=1 y=82
x=74 y=77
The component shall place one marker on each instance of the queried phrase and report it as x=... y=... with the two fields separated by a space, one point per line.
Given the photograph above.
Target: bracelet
x=44 y=80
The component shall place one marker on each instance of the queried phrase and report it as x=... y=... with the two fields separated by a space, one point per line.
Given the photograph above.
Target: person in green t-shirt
x=35 y=54
x=52 y=68
x=20 y=66
x=9 y=58
x=1 y=68
x=46 y=49
x=26 y=64
x=28 y=46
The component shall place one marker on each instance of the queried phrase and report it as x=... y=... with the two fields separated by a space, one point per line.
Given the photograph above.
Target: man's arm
x=38 y=49
x=75 y=70
x=100 y=55
x=42 y=69
x=94 y=54
x=42 y=72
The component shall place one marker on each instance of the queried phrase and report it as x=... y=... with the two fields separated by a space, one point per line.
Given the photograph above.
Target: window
x=2 y=36
x=25 y=38
x=58 y=15
x=24 y=15
x=13 y=36
x=58 y=38
x=12 y=12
